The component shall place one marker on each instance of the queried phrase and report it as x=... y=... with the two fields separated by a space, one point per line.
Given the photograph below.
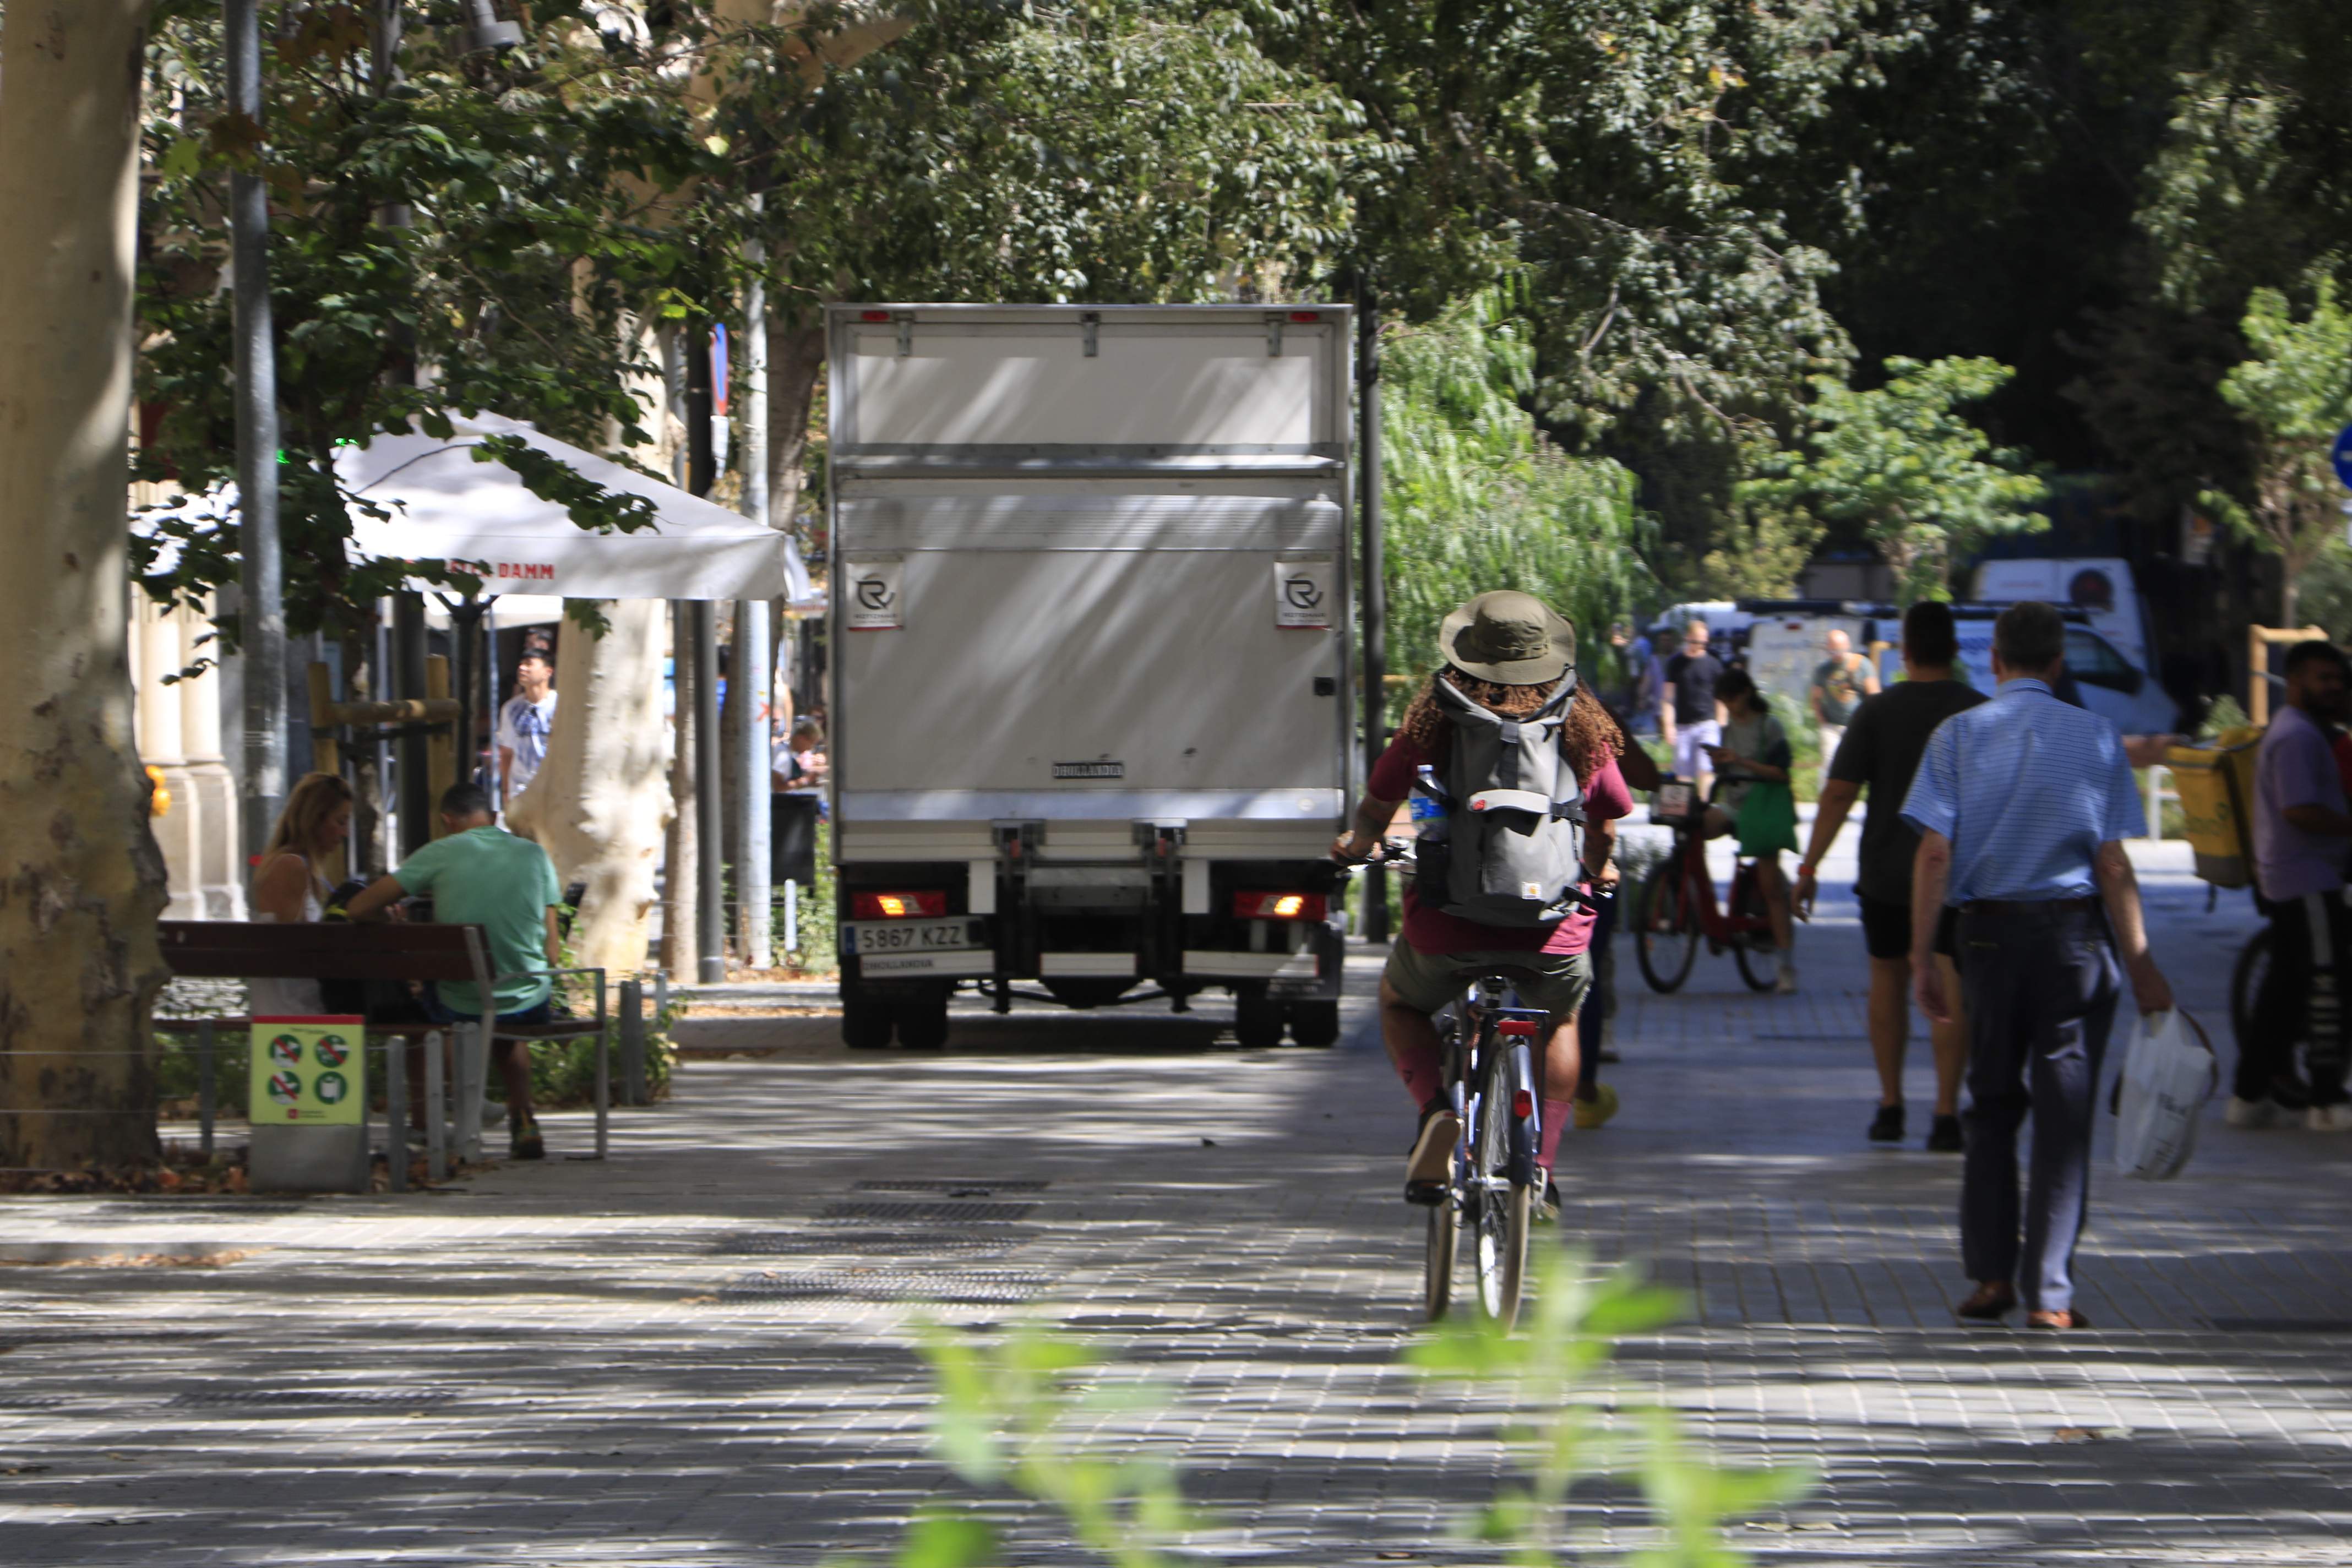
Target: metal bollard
x=437 y=1126
x=632 y=1043
x=204 y=1089
x=792 y=916
x=604 y=1070
x=396 y=1112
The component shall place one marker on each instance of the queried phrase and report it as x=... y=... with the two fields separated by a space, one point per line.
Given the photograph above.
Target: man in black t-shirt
x=1882 y=745
x=1689 y=719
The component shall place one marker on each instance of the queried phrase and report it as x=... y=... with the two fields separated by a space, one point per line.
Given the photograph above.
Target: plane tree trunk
x=601 y=798
x=81 y=880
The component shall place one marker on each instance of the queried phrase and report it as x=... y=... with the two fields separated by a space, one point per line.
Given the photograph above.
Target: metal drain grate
x=327 y=1398
x=974 y=1187
x=847 y=1240
x=209 y=1208
x=2282 y=1325
x=883 y=1285
x=933 y=1214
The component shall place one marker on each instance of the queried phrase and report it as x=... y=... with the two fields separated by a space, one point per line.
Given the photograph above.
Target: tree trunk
x=601 y=799
x=682 y=849
x=795 y=360
x=81 y=880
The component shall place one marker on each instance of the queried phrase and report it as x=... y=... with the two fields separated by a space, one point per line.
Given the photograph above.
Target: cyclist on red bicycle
x=1507 y=652
x=1754 y=800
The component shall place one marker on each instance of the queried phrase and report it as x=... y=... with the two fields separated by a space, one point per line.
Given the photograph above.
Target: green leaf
x=941 y=1540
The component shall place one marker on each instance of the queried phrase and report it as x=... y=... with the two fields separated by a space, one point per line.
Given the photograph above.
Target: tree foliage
x=471 y=237
x=1924 y=484
x=1479 y=499
x=2293 y=393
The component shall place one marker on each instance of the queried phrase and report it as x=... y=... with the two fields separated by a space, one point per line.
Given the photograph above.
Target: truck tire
x=1315 y=1024
x=865 y=1022
x=1258 y=1023
x=923 y=1021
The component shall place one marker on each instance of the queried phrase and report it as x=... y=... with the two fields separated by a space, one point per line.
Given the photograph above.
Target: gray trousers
x=2039 y=982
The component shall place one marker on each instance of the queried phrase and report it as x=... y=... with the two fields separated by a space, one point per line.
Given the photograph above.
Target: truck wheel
x=1315 y=1024
x=1258 y=1023
x=923 y=1023
x=865 y=1022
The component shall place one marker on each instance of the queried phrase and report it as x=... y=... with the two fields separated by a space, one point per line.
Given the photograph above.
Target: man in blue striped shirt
x=2021 y=806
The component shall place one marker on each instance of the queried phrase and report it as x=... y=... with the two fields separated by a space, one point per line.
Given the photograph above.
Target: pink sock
x=1422 y=1067
x=1556 y=1113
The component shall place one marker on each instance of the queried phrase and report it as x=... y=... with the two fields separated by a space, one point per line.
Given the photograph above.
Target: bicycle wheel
x=1500 y=1205
x=2246 y=983
x=1666 y=934
x=1437 y=1262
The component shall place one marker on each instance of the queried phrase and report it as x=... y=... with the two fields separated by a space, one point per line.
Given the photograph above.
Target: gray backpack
x=1501 y=832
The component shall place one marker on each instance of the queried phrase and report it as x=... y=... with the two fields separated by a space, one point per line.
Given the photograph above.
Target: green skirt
x=1767 y=818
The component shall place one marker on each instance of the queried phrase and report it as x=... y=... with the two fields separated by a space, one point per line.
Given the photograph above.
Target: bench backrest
x=391 y=950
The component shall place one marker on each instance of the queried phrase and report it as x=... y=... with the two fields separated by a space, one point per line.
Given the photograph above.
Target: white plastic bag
x=2168 y=1074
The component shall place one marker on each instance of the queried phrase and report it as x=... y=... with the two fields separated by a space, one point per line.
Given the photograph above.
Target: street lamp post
x=261 y=611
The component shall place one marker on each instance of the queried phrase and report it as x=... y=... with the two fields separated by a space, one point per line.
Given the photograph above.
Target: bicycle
x=1490 y=1185
x=1677 y=904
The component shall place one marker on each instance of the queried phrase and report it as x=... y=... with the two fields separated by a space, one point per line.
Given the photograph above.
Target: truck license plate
x=908 y=936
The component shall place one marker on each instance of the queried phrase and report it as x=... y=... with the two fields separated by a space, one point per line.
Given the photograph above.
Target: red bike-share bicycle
x=1676 y=907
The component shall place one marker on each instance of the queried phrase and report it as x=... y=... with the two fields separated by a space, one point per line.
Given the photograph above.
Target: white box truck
x=1091 y=689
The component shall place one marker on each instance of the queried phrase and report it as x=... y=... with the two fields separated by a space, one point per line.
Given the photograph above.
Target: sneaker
x=524 y=1142
x=2336 y=1118
x=1943 y=1137
x=1596 y=1111
x=1786 y=986
x=1887 y=1126
x=1546 y=1209
x=2244 y=1112
x=1433 y=1151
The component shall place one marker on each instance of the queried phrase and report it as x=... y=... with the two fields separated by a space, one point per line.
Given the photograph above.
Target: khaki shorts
x=1426 y=980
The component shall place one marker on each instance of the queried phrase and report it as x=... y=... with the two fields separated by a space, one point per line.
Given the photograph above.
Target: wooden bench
x=237 y=950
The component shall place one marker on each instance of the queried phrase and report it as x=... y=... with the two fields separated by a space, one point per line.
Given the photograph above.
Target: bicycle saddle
x=1513 y=973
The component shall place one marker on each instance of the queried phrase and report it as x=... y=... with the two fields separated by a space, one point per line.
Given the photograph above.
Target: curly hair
x=1588 y=737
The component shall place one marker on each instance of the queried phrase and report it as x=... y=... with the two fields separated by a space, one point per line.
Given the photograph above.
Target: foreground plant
x=1010 y=1414
x=1565 y=1337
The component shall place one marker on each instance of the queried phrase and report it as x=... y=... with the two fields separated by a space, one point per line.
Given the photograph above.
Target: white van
x=2099 y=586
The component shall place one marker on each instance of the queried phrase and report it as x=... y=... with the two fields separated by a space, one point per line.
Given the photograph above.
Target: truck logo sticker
x=1104 y=770
x=1304 y=588
x=876 y=595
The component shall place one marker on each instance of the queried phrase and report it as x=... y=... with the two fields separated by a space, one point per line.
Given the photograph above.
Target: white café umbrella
x=446 y=506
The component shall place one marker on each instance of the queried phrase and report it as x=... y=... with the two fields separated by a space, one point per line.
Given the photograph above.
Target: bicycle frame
x=1484 y=1027
x=1720 y=927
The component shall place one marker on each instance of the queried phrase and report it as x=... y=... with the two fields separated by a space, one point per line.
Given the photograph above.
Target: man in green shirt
x=478 y=873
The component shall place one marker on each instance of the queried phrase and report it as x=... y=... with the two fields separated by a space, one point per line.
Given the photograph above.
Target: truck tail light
x=873 y=315
x=1280 y=906
x=897 y=906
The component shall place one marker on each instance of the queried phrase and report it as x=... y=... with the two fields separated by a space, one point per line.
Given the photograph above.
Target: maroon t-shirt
x=1606 y=799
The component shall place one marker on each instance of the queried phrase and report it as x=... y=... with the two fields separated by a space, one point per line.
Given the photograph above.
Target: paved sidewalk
x=695 y=1354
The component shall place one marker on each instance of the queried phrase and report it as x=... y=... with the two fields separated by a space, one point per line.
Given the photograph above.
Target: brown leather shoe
x=2064 y=1319
x=1994 y=1299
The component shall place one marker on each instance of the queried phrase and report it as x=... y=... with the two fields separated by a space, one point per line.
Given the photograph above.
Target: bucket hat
x=1509 y=638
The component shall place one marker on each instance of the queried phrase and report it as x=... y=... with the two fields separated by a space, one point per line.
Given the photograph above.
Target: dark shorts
x=442 y=1013
x=1886 y=928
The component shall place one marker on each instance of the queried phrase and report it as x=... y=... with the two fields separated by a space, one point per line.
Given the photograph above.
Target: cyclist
x=1509 y=652
x=1752 y=798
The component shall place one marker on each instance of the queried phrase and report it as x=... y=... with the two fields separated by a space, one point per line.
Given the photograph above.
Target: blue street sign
x=2341 y=454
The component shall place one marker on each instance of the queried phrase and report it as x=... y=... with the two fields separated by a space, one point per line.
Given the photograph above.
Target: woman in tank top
x=291 y=881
